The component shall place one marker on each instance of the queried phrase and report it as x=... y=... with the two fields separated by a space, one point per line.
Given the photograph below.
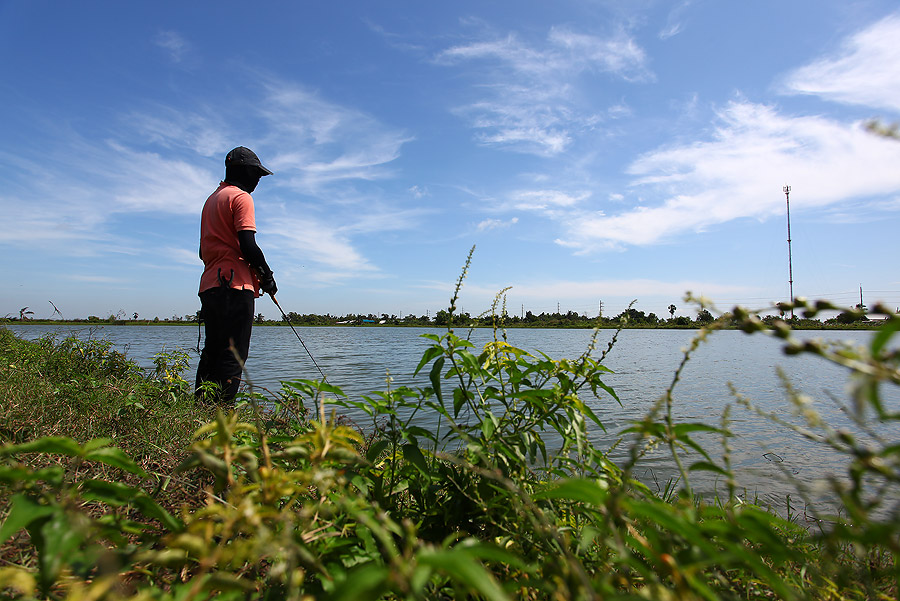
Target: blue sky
x=591 y=151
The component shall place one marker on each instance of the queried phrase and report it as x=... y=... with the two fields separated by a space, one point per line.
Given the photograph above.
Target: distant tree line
x=631 y=317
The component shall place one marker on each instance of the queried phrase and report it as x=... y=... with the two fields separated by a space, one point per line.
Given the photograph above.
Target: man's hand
x=267 y=283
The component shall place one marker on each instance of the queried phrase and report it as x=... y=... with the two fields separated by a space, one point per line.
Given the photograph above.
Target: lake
x=765 y=456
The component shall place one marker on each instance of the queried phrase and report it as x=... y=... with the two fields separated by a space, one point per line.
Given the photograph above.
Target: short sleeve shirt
x=227 y=211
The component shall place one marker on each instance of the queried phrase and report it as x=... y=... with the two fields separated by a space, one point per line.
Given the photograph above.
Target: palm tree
x=24 y=313
x=672 y=309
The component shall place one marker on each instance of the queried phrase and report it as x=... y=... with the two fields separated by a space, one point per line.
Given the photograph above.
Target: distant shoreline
x=800 y=325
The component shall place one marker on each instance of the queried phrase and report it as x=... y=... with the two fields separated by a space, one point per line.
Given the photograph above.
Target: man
x=234 y=272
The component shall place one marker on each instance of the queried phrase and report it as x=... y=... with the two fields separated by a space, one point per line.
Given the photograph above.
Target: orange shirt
x=227 y=211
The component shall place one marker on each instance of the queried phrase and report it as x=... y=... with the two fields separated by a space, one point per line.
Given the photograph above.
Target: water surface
x=766 y=456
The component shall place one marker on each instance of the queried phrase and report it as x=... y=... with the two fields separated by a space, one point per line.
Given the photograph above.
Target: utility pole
x=787 y=198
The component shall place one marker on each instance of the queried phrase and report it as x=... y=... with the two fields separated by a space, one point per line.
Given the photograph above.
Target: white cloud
x=739 y=174
x=318 y=243
x=674 y=22
x=532 y=102
x=618 y=54
x=173 y=43
x=495 y=224
x=182 y=256
x=542 y=200
x=160 y=160
x=73 y=194
x=203 y=131
x=866 y=71
x=144 y=181
x=419 y=191
x=317 y=142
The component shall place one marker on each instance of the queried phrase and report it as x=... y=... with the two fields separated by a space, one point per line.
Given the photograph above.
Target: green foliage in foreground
x=506 y=499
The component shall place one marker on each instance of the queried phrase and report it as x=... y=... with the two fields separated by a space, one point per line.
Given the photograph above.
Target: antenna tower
x=787 y=198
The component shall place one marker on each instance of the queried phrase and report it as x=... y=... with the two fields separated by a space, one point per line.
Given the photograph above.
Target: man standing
x=234 y=272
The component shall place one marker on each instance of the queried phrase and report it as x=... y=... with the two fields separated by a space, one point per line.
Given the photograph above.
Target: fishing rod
x=284 y=315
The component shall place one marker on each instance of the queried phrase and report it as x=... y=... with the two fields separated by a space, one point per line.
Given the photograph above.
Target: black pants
x=228 y=315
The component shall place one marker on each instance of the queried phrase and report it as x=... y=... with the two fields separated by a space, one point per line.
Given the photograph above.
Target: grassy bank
x=287 y=503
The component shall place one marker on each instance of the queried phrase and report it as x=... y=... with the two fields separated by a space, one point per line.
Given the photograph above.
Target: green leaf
x=15 y=474
x=435 y=377
x=488 y=425
x=580 y=490
x=115 y=457
x=469 y=361
x=57 y=445
x=885 y=332
x=23 y=511
x=413 y=454
x=459 y=399
x=312 y=387
x=429 y=354
x=326 y=387
x=682 y=429
x=57 y=541
x=375 y=450
x=465 y=570
x=490 y=552
x=419 y=432
x=708 y=467
x=368 y=582
x=583 y=408
x=117 y=494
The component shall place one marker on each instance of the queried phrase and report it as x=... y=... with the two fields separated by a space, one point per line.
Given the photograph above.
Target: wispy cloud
x=173 y=43
x=496 y=224
x=419 y=191
x=317 y=142
x=182 y=256
x=309 y=240
x=864 y=71
x=532 y=102
x=146 y=181
x=200 y=130
x=675 y=20
x=159 y=160
x=544 y=200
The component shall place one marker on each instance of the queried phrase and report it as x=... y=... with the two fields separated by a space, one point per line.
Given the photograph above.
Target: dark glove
x=267 y=283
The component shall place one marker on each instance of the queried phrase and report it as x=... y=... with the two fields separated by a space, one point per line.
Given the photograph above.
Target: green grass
x=84 y=390
x=289 y=503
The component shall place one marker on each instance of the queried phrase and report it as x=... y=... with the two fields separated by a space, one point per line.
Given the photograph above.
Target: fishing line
x=284 y=315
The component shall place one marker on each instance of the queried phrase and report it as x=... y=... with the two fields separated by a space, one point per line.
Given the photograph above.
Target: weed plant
x=486 y=506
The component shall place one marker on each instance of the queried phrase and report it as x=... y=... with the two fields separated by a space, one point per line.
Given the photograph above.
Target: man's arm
x=254 y=256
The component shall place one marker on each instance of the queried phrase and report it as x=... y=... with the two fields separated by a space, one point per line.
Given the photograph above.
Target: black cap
x=244 y=156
